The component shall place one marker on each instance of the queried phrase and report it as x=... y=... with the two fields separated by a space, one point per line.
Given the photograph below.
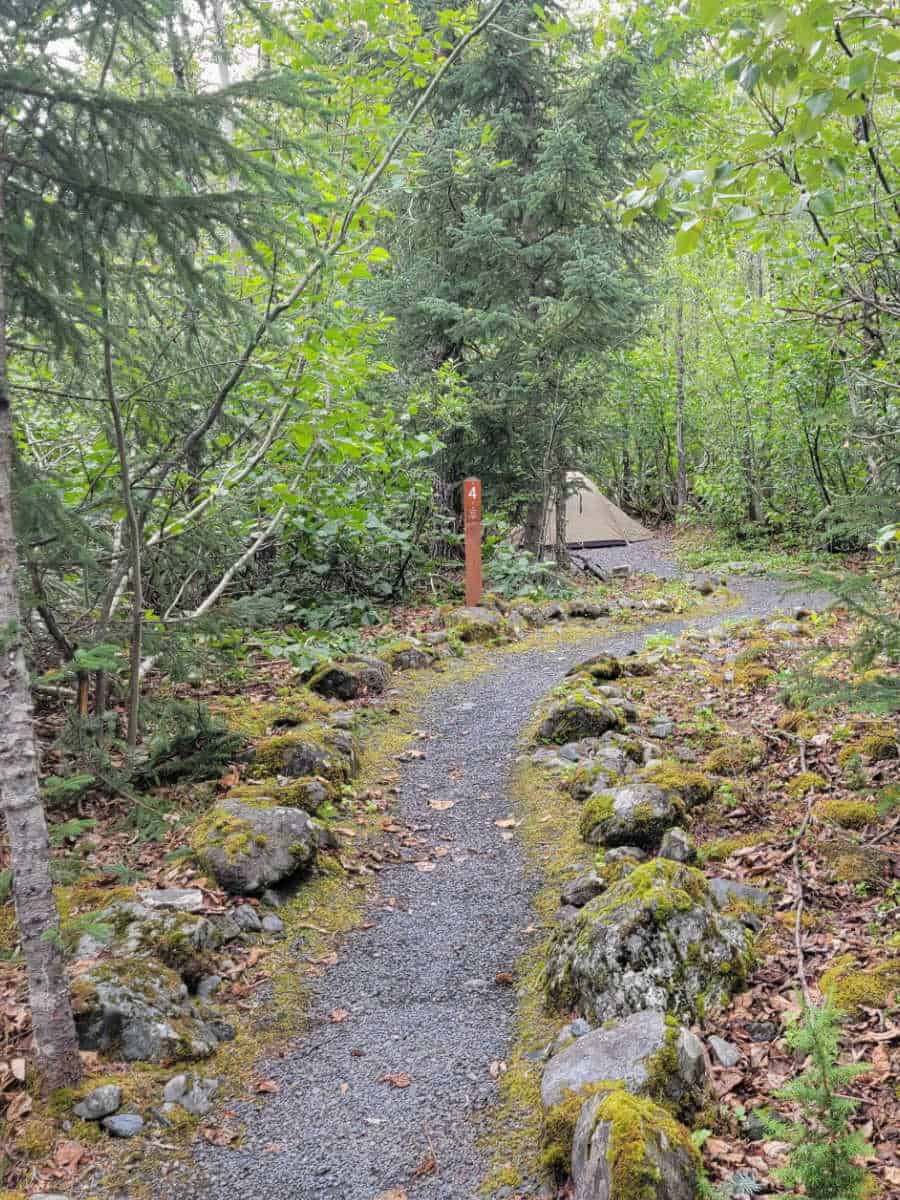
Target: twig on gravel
x=314 y=928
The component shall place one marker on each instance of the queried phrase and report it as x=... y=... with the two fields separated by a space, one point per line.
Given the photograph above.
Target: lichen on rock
x=692 y=786
x=137 y=1010
x=634 y=815
x=629 y=1148
x=579 y=715
x=249 y=847
x=655 y=939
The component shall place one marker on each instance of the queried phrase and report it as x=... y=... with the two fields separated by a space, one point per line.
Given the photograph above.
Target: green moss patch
x=734 y=757
x=804 y=783
x=692 y=786
x=853 y=989
x=849 y=814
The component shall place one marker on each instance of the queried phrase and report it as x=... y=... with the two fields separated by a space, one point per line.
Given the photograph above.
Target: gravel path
x=419 y=985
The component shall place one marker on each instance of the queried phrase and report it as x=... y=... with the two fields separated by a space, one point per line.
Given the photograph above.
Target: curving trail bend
x=419 y=984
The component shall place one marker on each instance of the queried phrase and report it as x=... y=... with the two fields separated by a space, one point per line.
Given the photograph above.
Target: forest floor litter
x=412 y=1024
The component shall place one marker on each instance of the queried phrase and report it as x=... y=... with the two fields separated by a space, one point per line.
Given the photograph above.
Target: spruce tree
x=510 y=269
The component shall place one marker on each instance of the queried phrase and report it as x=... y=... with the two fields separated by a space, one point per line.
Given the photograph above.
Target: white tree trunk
x=56 y=1044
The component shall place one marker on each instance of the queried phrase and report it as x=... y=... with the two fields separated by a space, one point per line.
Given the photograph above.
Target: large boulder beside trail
x=250 y=847
x=625 y=1146
x=635 y=815
x=579 y=715
x=647 y=1054
x=139 y=1011
x=655 y=939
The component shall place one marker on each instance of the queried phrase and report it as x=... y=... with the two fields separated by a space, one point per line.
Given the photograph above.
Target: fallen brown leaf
x=441 y=805
x=268 y=1085
x=398 y=1080
x=68 y=1155
x=337 y=1015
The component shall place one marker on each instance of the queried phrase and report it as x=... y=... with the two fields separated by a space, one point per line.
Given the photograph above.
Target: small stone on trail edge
x=189 y=900
x=726 y=891
x=191 y=1093
x=272 y=924
x=246 y=917
x=102 y=1101
x=623 y=1054
x=208 y=985
x=123 y=1125
x=579 y=891
x=727 y=1053
x=678 y=846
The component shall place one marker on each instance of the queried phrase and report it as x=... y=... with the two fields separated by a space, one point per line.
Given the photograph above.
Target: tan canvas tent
x=592 y=520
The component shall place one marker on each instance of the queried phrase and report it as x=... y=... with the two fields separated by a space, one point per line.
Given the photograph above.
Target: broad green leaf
x=819 y=103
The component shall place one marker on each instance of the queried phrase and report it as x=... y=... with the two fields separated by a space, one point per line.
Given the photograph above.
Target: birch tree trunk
x=56 y=1044
x=681 y=465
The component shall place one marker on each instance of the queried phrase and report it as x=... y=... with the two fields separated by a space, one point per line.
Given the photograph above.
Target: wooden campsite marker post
x=472 y=525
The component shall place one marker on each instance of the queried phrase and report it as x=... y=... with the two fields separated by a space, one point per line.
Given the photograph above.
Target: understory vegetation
x=274 y=281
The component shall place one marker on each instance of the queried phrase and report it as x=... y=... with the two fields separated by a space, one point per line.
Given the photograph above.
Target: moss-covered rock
x=656 y=939
x=629 y=1148
x=314 y=750
x=853 y=988
x=478 y=624
x=849 y=814
x=752 y=677
x=855 y=864
x=734 y=757
x=880 y=745
x=309 y=792
x=137 y=1010
x=349 y=679
x=408 y=655
x=602 y=668
x=691 y=785
x=634 y=815
x=580 y=715
x=755 y=651
x=249 y=847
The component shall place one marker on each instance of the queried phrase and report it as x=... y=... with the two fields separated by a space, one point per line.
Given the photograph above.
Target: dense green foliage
x=266 y=306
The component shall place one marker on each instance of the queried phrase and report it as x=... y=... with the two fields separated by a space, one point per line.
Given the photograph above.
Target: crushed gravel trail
x=419 y=985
